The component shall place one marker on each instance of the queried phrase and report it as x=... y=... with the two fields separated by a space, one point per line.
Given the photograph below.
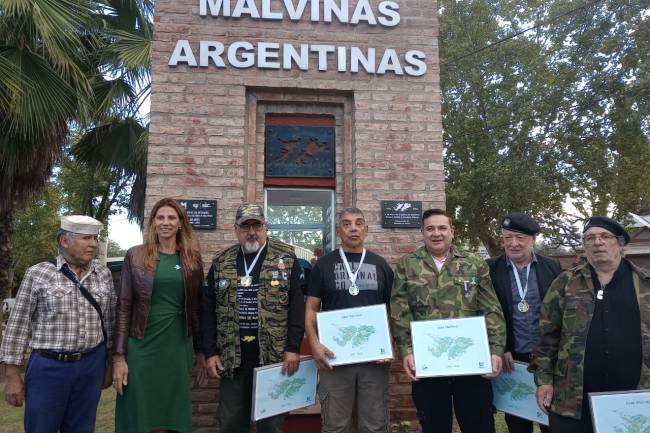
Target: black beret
x=522 y=223
x=612 y=226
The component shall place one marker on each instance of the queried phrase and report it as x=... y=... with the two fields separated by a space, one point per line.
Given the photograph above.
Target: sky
x=123 y=232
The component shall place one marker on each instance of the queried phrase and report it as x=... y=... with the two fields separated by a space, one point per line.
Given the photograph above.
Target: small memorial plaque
x=202 y=213
x=401 y=214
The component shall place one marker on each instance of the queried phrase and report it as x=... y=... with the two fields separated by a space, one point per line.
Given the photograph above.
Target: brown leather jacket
x=134 y=299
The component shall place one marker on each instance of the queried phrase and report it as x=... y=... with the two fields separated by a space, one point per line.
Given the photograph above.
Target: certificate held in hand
x=451 y=347
x=356 y=335
x=275 y=393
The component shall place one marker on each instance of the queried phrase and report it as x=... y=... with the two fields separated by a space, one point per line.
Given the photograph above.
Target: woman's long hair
x=186 y=240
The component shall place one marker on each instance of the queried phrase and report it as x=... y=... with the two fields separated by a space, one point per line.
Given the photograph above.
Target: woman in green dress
x=156 y=323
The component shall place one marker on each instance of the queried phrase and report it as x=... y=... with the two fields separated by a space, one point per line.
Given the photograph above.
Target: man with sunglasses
x=254 y=315
x=594 y=330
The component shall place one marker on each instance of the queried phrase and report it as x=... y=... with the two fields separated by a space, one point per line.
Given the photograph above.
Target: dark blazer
x=546 y=270
x=134 y=299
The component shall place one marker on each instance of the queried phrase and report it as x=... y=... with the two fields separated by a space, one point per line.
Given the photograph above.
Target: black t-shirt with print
x=329 y=281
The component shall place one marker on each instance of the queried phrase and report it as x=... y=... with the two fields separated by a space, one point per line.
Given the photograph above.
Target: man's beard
x=251 y=246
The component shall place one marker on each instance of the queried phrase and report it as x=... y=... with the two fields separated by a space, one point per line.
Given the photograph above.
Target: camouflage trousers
x=234 y=410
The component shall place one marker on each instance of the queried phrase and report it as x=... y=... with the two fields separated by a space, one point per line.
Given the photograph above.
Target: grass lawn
x=12 y=417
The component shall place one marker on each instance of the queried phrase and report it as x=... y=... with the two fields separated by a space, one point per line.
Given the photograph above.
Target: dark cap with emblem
x=609 y=224
x=521 y=223
x=249 y=211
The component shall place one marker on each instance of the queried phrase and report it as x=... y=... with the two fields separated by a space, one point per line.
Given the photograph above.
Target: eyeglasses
x=255 y=226
x=604 y=237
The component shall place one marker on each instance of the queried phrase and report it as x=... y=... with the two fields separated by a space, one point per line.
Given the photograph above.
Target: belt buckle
x=67 y=357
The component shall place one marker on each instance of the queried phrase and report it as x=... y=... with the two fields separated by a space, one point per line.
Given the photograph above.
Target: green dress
x=158 y=394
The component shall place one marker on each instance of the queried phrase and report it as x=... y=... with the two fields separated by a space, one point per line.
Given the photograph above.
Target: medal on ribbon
x=523 y=305
x=354 y=289
x=247 y=279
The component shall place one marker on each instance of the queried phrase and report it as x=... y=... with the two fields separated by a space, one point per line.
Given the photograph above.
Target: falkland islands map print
x=451 y=347
x=356 y=334
x=275 y=393
x=621 y=412
x=514 y=393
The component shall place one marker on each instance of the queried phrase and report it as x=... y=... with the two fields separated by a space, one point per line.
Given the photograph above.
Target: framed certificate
x=451 y=347
x=620 y=412
x=356 y=335
x=514 y=393
x=275 y=393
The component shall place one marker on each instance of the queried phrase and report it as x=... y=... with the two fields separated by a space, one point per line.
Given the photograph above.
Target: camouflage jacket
x=564 y=321
x=272 y=304
x=420 y=292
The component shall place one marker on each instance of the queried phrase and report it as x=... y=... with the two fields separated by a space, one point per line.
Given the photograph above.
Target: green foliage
x=71 y=65
x=558 y=111
x=115 y=250
x=35 y=228
x=95 y=191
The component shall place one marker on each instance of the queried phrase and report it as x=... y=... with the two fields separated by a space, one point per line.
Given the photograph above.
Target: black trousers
x=516 y=424
x=565 y=424
x=471 y=397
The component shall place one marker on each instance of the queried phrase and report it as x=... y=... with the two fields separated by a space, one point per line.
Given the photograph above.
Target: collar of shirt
x=510 y=264
x=90 y=268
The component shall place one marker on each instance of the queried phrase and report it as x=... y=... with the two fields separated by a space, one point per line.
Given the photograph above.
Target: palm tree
x=78 y=66
x=44 y=88
x=117 y=140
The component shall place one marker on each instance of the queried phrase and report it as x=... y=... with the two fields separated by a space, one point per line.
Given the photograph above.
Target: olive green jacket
x=272 y=304
x=420 y=292
x=564 y=321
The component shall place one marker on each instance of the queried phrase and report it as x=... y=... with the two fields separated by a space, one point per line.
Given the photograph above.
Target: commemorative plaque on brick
x=202 y=213
x=401 y=214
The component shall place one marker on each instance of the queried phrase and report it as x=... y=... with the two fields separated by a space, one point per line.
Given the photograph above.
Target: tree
x=496 y=121
x=117 y=140
x=544 y=101
x=44 y=86
x=34 y=231
x=68 y=65
x=115 y=250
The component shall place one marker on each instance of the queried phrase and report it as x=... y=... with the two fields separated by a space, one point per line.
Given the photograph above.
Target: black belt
x=524 y=357
x=63 y=356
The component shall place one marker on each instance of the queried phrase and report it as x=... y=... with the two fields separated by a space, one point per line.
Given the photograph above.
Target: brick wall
x=207 y=127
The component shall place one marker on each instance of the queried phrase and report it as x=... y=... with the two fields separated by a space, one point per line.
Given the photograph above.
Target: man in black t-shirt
x=349 y=277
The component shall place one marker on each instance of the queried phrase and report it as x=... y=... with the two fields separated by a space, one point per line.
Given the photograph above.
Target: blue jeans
x=63 y=396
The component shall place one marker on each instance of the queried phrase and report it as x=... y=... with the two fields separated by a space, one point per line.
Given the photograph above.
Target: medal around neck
x=523 y=305
x=600 y=294
x=247 y=280
x=352 y=276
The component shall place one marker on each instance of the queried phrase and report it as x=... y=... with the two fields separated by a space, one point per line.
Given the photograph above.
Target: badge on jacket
x=222 y=283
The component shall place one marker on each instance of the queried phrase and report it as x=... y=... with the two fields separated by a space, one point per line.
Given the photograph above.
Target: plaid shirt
x=51 y=313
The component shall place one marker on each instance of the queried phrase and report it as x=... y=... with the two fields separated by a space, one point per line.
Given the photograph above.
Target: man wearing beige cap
x=64 y=311
x=253 y=314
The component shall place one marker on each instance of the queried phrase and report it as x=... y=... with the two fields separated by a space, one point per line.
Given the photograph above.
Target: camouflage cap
x=249 y=211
